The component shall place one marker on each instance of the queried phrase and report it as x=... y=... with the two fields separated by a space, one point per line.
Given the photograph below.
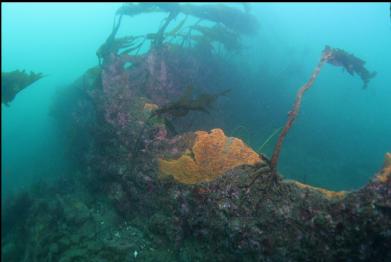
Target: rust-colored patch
x=327 y=193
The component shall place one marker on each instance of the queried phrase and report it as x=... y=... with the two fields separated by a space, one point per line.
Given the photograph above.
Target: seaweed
x=228 y=38
x=351 y=63
x=231 y=23
x=112 y=45
x=295 y=111
x=232 y=18
x=179 y=108
x=186 y=103
x=334 y=56
x=158 y=40
x=132 y=9
x=178 y=27
x=268 y=139
x=14 y=82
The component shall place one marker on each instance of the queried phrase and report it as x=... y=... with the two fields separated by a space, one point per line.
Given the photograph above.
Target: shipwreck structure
x=142 y=192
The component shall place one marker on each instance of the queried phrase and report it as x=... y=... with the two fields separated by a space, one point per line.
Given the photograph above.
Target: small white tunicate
x=135 y=253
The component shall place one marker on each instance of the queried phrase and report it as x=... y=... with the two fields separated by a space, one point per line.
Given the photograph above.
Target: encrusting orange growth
x=211 y=156
x=385 y=174
x=327 y=193
x=150 y=107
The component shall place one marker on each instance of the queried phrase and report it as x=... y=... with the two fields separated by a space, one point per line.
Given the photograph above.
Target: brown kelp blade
x=14 y=82
x=351 y=63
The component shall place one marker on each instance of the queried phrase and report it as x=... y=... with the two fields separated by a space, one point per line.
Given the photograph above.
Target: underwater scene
x=196 y=132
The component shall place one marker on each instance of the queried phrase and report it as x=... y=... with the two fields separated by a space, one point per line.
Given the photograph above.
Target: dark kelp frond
x=351 y=63
x=228 y=38
x=158 y=41
x=14 y=82
x=177 y=28
x=205 y=101
x=233 y=18
x=114 y=45
x=230 y=24
x=109 y=45
x=187 y=103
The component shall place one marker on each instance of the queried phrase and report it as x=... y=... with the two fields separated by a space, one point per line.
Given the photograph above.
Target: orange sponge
x=211 y=155
x=385 y=174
